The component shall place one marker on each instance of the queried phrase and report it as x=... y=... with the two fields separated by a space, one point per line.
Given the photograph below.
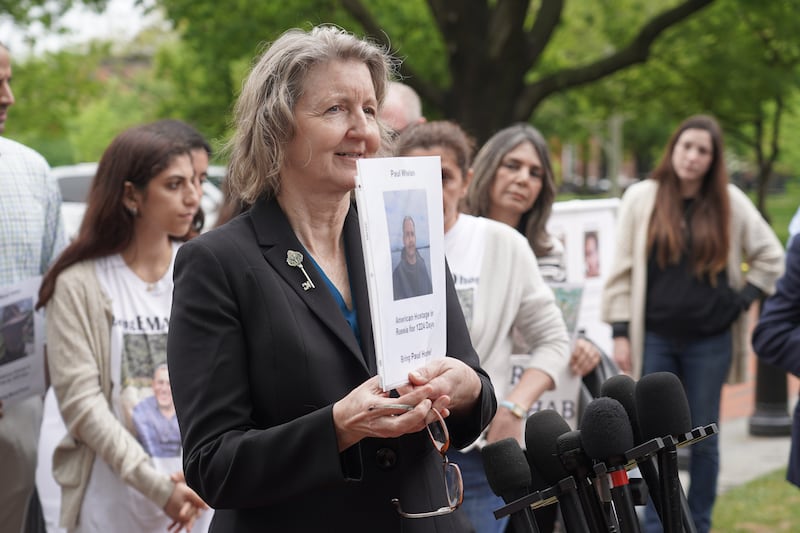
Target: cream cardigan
x=624 y=293
x=78 y=338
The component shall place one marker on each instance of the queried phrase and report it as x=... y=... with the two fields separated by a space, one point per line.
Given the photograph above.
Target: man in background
x=402 y=107
x=31 y=235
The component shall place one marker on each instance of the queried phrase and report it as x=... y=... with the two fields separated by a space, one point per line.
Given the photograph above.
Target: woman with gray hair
x=271 y=353
x=514 y=183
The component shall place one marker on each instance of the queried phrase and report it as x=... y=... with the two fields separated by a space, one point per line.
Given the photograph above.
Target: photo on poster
x=22 y=364
x=409 y=239
x=400 y=218
x=591 y=253
x=16 y=331
x=569 y=297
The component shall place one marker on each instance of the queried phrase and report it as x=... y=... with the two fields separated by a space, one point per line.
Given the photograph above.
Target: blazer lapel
x=358 y=287
x=276 y=239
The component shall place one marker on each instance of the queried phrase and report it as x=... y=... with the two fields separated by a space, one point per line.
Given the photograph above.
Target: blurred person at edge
x=272 y=366
x=514 y=183
x=776 y=340
x=402 y=108
x=108 y=299
x=53 y=429
x=31 y=236
x=676 y=295
x=501 y=291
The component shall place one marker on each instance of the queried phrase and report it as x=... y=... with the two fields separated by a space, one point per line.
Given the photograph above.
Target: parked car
x=75 y=180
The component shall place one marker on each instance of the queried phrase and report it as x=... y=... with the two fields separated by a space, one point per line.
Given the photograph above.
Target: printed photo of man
x=410 y=277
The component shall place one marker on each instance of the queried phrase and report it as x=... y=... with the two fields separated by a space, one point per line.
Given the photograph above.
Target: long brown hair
x=533 y=222
x=710 y=221
x=136 y=155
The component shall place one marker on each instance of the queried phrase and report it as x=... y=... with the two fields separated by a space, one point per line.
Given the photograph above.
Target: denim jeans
x=479 y=500
x=702 y=366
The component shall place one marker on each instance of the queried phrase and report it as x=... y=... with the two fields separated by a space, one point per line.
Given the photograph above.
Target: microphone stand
x=620 y=497
x=572 y=461
x=563 y=492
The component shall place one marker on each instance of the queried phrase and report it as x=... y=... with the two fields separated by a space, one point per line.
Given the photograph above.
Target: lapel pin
x=295 y=259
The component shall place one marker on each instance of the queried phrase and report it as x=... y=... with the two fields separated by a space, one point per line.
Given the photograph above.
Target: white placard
x=398 y=198
x=586 y=228
x=21 y=342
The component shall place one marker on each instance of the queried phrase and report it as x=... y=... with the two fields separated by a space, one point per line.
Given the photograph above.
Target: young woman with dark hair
x=677 y=294
x=108 y=299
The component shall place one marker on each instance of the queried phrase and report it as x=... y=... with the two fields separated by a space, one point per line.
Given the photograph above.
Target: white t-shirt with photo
x=138 y=350
x=464 y=247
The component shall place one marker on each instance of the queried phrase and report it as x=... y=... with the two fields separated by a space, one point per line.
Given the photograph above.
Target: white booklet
x=399 y=203
x=21 y=342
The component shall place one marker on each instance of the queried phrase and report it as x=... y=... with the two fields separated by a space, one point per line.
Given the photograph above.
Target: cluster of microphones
x=631 y=424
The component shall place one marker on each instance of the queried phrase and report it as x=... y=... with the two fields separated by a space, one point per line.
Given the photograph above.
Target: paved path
x=744 y=457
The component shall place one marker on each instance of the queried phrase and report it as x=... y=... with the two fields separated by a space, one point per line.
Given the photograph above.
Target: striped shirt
x=31 y=229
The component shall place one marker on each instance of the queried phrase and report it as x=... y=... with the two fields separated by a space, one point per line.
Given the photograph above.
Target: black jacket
x=256 y=363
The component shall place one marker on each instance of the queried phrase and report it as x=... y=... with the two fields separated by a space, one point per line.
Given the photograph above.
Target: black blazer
x=256 y=363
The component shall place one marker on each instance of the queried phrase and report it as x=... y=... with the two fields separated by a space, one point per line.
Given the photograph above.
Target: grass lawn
x=768 y=504
x=781 y=207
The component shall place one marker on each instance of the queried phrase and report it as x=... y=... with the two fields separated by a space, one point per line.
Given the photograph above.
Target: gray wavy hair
x=264 y=113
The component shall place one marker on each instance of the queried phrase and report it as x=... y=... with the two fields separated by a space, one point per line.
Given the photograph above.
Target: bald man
x=402 y=107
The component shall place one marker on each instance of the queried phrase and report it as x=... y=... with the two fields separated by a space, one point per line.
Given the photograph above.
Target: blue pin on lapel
x=295 y=259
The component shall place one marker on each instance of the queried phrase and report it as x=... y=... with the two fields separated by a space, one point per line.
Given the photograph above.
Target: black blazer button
x=386 y=458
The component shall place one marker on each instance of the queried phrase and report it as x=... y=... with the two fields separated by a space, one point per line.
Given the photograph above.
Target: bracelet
x=516 y=410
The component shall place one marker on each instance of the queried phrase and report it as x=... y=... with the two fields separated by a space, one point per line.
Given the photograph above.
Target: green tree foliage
x=484 y=63
x=50 y=91
x=45 y=12
x=740 y=61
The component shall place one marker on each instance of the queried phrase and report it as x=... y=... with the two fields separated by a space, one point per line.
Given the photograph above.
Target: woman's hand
x=369 y=412
x=183 y=507
x=585 y=357
x=454 y=386
x=504 y=425
x=622 y=354
x=446 y=384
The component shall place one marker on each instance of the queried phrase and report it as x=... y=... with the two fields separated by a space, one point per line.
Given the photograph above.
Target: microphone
x=622 y=388
x=509 y=477
x=668 y=417
x=606 y=435
x=579 y=465
x=542 y=430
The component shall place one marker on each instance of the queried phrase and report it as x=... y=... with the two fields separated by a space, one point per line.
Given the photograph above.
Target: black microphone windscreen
x=623 y=389
x=568 y=442
x=542 y=430
x=506 y=468
x=662 y=406
x=605 y=429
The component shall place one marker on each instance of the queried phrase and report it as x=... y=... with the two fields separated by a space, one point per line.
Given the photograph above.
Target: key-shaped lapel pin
x=295 y=259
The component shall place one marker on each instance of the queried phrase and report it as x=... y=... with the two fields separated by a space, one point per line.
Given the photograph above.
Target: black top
x=681 y=305
x=684 y=306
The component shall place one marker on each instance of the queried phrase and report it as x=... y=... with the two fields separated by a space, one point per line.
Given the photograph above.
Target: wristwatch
x=516 y=409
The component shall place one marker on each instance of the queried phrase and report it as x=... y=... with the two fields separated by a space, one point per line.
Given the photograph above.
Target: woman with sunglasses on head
x=271 y=352
x=501 y=293
x=108 y=299
x=677 y=296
